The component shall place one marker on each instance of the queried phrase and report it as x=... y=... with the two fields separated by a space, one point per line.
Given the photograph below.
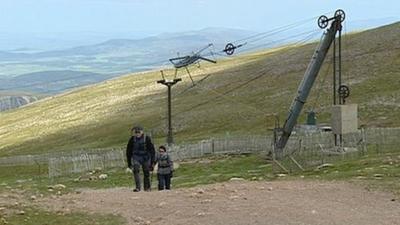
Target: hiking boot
x=136 y=190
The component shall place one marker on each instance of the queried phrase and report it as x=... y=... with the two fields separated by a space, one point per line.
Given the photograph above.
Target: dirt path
x=237 y=202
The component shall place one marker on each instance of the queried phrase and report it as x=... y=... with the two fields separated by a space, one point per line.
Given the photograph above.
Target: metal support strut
x=169 y=84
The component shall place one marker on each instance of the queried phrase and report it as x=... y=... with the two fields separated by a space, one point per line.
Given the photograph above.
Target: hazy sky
x=157 y=16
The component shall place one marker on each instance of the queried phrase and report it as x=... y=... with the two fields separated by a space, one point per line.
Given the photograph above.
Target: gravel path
x=242 y=202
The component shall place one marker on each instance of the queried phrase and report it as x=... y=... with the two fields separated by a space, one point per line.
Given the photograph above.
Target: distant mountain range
x=50 y=82
x=27 y=88
x=117 y=56
x=11 y=100
x=52 y=72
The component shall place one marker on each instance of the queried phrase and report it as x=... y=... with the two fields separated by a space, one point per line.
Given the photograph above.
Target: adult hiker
x=165 y=169
x=140 y=153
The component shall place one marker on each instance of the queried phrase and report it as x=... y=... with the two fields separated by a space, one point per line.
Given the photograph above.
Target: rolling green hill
x=236 y=96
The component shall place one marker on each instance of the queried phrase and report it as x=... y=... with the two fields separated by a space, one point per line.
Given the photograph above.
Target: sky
x=149 y=17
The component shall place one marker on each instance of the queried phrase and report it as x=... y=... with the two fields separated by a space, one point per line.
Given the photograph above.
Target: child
x=165 y=169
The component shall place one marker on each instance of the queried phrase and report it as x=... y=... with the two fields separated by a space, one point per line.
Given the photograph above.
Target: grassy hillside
x=254 y=86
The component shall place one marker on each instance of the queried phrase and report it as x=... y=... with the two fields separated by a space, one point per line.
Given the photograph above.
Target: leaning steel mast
x=310 y=75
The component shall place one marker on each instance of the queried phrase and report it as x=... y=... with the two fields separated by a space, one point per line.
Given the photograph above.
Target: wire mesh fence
x=302 y=152
x=66 y=165
x=44 y=158
x=310 y=151
x=243 y=144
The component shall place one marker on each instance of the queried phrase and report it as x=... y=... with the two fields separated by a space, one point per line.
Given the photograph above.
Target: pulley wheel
x=323 y=22
x=229 y=49
x=340 y=13
x=344 y=91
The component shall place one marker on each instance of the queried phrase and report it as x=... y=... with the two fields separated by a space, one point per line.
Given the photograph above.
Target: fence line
x=113 y=159
x=86 y=162
x=44 y=158
x=221 y=146
x=319 y=148
x=307 y=149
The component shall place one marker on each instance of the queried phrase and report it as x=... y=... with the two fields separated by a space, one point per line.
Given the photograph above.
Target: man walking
x=140 y=153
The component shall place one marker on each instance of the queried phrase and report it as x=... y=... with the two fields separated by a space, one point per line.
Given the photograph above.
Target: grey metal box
x=344 y=119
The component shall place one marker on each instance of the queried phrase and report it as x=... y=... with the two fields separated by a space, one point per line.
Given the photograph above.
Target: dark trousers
x=164 y=181
x=144 y=162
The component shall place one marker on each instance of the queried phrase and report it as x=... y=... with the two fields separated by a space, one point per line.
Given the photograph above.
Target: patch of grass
x=34 y=216
x=29 y=178
x=213 y=170
x=377 y=171
x=28 y=181
x=190 y=173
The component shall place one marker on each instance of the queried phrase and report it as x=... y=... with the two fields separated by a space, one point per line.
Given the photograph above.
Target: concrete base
x=344 y=119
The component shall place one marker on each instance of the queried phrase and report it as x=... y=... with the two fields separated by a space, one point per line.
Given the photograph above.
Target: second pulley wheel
x=323 y=22
x=344 y=91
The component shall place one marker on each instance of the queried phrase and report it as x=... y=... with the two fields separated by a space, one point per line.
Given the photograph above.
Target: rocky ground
x=241 y=202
